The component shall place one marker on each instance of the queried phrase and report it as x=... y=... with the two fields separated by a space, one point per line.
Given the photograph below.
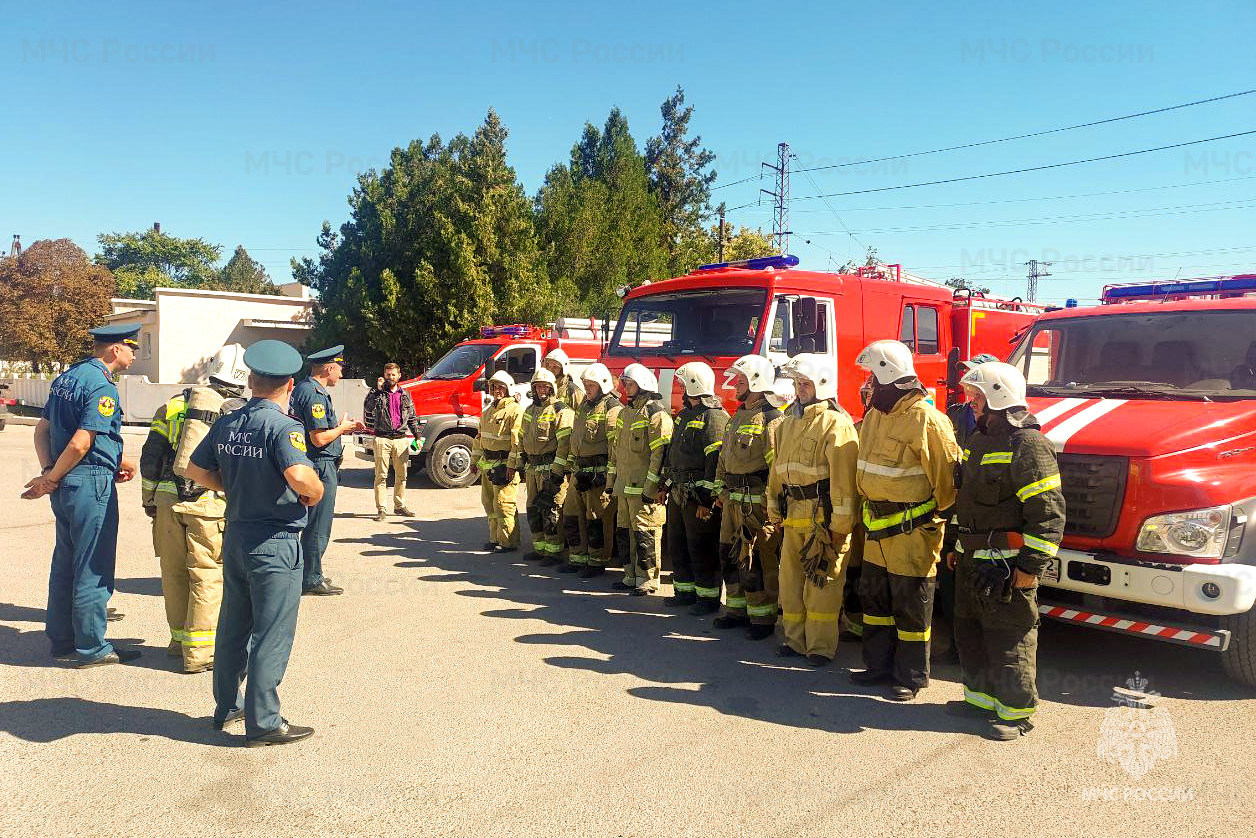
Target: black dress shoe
x=900 y=693
x=728 y=621
x=66 y=655
x=758 y=631
x=324 y=588
x=285 y=734
x=704 y=606
x=569 y=568
x=786 y=651
x=818 y=660
x=589 y=571
x=116 y=656
x=868 y=676
x=234 y=717
x=112 y=615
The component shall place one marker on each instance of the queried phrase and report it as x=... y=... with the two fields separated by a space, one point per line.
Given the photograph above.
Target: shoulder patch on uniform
x=106 y=406
x=318 y=410
x=297 y=439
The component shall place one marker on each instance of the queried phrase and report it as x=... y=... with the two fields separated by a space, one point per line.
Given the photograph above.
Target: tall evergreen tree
x=242 y=275
x=677 y=168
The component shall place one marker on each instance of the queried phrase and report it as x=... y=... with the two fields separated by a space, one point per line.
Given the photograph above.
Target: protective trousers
x=544 y=513
x=852 y=605
x=640 y=543
x=693 y=547
x=998 y=646
x=589 y=524
x=317 y=532
x=190 y=550
x=85 y=505
x=749 y=559
x=808 y=612
x=395 y=453
x=897 y=614
x=499 y=507
x=261 y=595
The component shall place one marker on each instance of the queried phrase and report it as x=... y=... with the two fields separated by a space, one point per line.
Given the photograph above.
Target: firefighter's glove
x=552 y=485
x=992 y=578
x=414 y=446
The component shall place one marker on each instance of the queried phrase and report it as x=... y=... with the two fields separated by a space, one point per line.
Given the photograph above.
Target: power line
x=811 y=180
x=734 y=183
x=1033 y=134
x=1028 y=168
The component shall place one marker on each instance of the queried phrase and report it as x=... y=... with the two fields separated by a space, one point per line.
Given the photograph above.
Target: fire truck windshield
x=1189 y=355
x=722 y=321
x=461 y=361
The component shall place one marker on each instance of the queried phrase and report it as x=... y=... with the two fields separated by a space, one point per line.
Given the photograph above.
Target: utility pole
x=1037 y=270
x=721 y=212
x=780 y=215
x=16 y=249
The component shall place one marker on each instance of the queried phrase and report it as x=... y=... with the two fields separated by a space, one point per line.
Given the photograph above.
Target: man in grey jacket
x=390 y=415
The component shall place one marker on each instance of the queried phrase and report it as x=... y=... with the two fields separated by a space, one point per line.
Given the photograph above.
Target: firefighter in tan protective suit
x=542 y=449
x=188 y=520
x=811 y=494
x=906 y=476
x=644 y=430
x=749 y=543
x=589 y=512
x=499 y=484
x=566 y=389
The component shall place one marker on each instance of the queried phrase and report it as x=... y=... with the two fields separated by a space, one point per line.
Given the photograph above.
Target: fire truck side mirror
x=953 y=371
x=805 y=317
x=480 y=385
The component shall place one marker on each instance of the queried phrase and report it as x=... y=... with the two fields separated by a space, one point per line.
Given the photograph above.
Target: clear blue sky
x=245 y=124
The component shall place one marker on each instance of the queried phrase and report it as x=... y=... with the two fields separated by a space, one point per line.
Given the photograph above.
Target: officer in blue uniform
x=257 y=455
x=79 y=445
x=311 y=405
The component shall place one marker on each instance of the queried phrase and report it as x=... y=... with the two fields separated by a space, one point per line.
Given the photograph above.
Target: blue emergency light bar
x=756 y=264
x=1228 y=285
x=518 y=331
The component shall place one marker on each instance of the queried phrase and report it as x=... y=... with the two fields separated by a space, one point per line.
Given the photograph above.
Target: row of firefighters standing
x=795 y=511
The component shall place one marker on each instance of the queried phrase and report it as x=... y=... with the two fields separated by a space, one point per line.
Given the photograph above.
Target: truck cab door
x=921 y=330
x=799 y=324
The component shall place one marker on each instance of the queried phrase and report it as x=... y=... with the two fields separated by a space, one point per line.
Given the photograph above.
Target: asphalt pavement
x=455 y=692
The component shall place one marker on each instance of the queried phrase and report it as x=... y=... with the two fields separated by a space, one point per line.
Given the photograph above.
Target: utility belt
x=537 y=461
x=812 y=491
x=994 y=544
x=749 y=480
x=888 y=518
x=590 y=472
x=684 y=476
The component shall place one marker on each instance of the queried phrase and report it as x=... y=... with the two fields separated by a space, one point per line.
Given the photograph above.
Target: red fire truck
x=766 y=306
x=1150 y=400
x=449 y=397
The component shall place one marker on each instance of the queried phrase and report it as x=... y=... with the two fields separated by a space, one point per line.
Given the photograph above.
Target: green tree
x=959 y=283
x=677 y=169
x=871 y=260
x=702 y=246
x=50 y=296
x=242 y=275
x=141 y=262
x=439 y=243
x=599 y=225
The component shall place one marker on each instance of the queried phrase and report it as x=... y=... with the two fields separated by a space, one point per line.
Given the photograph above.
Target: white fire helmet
x=888 y=360
x=819 y=370
x=782 y=393
x=698 y=379
x=560 y=357
x=599 y=375
x=642 y=377
x=227 y=367
x=1002 y=384
x=502 y=377
x=759 y=373
x=543 y=376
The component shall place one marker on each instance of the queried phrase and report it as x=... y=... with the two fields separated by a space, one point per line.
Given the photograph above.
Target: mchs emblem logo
x=1138 y=731
x=298 y=440
x=106 y=405
x=318 y=411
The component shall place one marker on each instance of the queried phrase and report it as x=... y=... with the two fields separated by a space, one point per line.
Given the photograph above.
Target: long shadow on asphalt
x=50 y=719
x=31 y=648
x=688 y=661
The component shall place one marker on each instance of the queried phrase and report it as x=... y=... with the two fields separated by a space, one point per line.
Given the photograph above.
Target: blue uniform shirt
x=85 y=397
x=311 y=405
x=251 y=447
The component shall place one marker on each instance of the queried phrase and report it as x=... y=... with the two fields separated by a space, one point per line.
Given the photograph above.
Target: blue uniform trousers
x=261 y=572
x=80 y=583
x=317 y=532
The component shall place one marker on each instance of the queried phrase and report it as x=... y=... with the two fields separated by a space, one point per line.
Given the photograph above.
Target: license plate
x=1052 y=573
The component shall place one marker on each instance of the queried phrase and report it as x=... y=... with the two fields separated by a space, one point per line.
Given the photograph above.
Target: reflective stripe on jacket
x=907 y=455
x=814 y=444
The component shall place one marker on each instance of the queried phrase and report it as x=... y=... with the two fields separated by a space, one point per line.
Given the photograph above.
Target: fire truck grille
x=1093 y=489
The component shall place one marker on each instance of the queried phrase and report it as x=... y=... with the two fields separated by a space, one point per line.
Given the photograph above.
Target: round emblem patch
x=298 y=440
x=318 y=411
x=106 y=406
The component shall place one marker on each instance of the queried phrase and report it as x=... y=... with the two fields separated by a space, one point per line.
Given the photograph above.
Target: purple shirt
x=394 y=407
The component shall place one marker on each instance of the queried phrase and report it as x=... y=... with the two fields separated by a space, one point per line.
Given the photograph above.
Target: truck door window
x=780 y=327
x=783 y=339
x=519 y=362
x=926 y=331
x=907 y=332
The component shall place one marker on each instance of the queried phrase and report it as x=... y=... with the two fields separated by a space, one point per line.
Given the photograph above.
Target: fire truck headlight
x=1200 y=533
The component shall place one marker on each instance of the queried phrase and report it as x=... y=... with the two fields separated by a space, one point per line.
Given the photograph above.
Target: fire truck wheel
x=449 y=463
x=1240 y=658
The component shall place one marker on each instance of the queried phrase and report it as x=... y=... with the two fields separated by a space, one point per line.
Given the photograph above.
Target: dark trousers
x=693 y=547
x=317 y=532
x=897 y=613
x=261 y=572
x=998 y=646
x=85 y=506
